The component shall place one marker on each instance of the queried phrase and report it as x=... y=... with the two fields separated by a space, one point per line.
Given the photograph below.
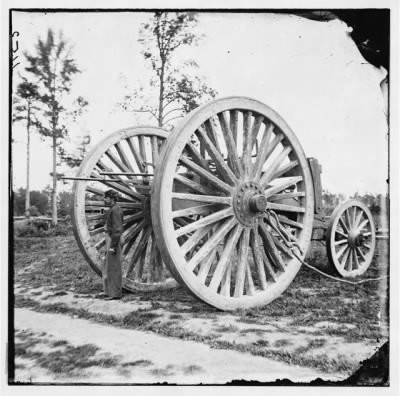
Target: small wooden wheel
x=227 y=173
x=131 y=150
x=350 y=238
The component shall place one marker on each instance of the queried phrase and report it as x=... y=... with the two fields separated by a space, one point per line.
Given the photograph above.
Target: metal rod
x=126 y=174
x=103 y=180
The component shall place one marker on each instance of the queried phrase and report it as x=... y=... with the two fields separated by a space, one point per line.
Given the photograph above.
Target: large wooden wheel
x=350 y=238
x=132 y=150
x=227 y=173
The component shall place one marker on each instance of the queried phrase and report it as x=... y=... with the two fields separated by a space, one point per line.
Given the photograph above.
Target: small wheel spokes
x=351 y=238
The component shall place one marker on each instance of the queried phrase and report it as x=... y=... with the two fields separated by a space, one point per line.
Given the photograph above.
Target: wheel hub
x=355 y=239
x=147 y=209
x=249 y=203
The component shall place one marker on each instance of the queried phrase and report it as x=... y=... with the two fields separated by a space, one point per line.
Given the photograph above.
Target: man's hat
x=111 y=194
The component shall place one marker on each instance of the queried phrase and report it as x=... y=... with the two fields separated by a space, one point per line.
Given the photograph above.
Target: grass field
x=317 y=322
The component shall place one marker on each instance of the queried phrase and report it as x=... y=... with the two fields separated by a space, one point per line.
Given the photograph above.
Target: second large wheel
x=230 y=175
x=132 y=150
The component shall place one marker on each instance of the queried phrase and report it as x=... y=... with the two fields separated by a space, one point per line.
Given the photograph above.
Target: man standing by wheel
x=111 y=271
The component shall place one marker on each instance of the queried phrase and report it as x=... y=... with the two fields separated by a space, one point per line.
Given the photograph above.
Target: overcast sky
x=310 y=72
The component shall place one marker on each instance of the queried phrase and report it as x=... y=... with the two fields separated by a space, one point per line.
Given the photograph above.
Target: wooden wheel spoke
x=226 y=281
x=358 y=219
x=356 y=261
x=195 y=210
x=101 y=167
x=285 y=208
x=148 y=258
x=269 y=173
x=95 y=217
x=341 y=233
x=284 y=183
x=280 y=245
x=123 y=156
x=267 y=265
x=204 y=221
x=142 y=149
x=350 y=261
x=359 y=251
x=270 y=247
x=258 y=121
x=347 y=217
x=136 y=154
x=212 y=242
x=249 y=284
x=196 y=157
x=154 y=150
x=193 y=184
x=100 y=244
x=233 y=123
x=215 y=199
x=258 y=258
x=261 y=158
x=353 y=217
x=205 y=266
x=241 y=270
x=133 y=230
x=132 y=218
x=341 y=251
x=283 y=219
x=362 y=225
x=222 y=167
x=204 y=173
x=95 y=191
x=136 y=260
x=212 y=134
x=346 y=255
x=194 y=239
x=230 y=142
x=96 y=231
x=341 y=242
x=285 y=168
x=247 y=141
x=123 y=188
x=344 y=226
x=226 y=254
x=282 y=196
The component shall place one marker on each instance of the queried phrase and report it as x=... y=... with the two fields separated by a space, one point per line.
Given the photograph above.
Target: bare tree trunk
x=54 y=192
x=161 y=97
x=27 y=192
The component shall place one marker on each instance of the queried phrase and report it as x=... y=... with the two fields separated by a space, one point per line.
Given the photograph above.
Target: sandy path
x=171 y=360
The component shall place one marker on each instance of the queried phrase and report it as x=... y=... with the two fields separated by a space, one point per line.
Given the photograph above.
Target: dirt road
x=142 y=357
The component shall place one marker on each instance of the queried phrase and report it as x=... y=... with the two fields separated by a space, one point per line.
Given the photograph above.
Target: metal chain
x=292 y=244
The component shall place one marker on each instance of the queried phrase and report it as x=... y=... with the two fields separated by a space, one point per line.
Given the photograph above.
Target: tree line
x=41 y=203
x=43 y=102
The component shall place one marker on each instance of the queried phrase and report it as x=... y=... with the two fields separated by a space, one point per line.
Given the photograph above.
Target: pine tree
x=53 y=68
x=25 y=109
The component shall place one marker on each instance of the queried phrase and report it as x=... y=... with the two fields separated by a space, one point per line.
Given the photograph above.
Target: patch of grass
x=167 y=371
x=59 y=343
x=261 y=343
x=192 y=369
x=226 y=328
x=139 y=318
x=252 y=330
x=175 y=316
x=71 y=360
x=282 y=343
x=317 y=343
x=138 y=363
